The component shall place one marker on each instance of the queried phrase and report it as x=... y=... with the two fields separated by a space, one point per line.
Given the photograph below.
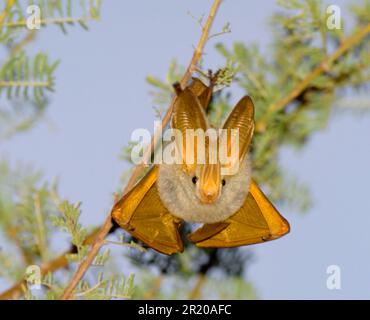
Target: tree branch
x=325 y=65
x=108 y=224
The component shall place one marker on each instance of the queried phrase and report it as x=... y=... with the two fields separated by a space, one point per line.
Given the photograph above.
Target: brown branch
x=196 y=292
x=324 y=66
x=99 y=241
x=16 y=291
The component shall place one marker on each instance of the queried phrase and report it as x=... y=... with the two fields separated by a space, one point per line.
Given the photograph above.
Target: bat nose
x=209 y=196
x=209 y=184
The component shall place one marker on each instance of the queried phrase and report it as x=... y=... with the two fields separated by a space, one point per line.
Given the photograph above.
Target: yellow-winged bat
x=233 y=209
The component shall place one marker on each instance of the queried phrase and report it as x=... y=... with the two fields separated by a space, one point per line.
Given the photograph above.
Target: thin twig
x=44 y=22
x=99 y=285
x=41 y=230
x=82 y=268
x=324 y=66
x=196 y=292
x=218 y=34
x=199 y=21
x=18 y=47
x=226 y=29
x=23 y=84
x=132 y=245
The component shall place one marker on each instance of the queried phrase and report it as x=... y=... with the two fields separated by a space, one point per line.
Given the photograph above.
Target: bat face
x=179 y=193
x=232 y=208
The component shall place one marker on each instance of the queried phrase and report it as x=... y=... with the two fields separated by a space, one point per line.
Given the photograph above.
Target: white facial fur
x=178 y=194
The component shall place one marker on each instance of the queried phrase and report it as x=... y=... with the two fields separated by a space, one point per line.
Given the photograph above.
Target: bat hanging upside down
x=233 y=209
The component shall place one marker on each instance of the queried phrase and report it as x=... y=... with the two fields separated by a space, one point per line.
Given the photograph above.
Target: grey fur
x=178 y=194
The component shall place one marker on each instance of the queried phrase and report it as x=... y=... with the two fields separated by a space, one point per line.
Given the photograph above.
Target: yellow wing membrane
x=142 y=213
x=256 y=221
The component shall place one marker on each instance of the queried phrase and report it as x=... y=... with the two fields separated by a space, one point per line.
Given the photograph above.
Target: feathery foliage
x=25 y=79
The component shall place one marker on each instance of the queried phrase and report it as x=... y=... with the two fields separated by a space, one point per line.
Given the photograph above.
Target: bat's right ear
x=188 y=113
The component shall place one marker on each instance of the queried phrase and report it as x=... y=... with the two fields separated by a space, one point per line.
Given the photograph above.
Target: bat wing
x=257 y=221
x=142 y=213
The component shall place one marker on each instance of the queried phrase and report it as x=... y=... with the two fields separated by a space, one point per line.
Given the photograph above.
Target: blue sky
x=101 y=97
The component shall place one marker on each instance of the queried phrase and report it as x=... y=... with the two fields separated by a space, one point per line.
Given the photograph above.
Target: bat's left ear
x=242 y=119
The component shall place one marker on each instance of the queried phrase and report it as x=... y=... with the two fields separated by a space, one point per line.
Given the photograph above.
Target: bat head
x=203 y=188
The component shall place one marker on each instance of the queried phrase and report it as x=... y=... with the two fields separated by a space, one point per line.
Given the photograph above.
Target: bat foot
x=177 y=87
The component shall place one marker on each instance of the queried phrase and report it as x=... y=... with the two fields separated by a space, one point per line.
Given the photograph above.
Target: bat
x=233 y=210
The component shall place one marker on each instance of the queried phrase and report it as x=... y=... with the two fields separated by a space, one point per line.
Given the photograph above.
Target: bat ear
x=188 y=113
x=241 y=119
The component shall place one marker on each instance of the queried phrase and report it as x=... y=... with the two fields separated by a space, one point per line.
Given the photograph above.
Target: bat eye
x=195 y=179
x=223 y=182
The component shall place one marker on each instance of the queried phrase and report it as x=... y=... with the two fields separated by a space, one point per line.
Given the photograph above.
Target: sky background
x=101 y=97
